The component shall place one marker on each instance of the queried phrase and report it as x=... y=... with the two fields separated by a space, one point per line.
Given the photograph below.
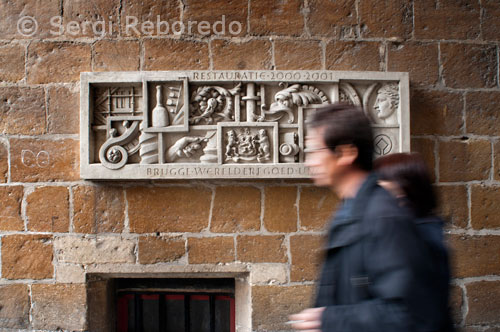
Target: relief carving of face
x=384 y=106
x=387 y=101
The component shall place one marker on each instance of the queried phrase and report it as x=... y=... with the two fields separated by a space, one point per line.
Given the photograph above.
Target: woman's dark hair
x=346 y=124
x=410 y=173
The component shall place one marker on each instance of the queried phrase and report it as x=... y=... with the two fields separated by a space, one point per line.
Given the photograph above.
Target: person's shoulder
x=384 y=215
x=384 y=204
x=430 y=219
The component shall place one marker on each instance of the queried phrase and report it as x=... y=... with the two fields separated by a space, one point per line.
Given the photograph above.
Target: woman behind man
x=405 y=175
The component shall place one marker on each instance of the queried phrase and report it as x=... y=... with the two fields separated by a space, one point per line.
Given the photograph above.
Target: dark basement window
x=175 y=305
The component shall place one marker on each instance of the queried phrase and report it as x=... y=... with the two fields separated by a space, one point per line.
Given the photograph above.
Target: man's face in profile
x=320 y=160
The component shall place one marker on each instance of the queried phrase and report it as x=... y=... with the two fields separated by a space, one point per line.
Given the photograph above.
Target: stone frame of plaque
x=224 y=124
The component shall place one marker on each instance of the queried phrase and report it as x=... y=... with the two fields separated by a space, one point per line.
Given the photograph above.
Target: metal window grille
x=154 y=310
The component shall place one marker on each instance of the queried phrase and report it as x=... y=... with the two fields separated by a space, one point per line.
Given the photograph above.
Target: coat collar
x=345 y=229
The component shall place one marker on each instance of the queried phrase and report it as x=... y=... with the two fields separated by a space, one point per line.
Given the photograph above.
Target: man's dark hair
x=346 y=124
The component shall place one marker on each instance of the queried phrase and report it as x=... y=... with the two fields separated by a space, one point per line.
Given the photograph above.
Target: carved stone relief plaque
x=224 y=124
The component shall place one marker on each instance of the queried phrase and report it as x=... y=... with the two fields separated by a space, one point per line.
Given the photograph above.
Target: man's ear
x=347 y=154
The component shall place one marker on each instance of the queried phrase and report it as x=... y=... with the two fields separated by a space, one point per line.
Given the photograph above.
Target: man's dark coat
x=377 y=270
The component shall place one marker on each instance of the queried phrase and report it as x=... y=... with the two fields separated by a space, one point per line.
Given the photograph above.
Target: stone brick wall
x=55 y=228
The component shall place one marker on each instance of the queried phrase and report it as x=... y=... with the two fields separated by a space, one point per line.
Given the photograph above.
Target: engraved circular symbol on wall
x=382 y=144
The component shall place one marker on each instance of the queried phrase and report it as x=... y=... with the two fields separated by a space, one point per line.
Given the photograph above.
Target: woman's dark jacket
x=379 y=273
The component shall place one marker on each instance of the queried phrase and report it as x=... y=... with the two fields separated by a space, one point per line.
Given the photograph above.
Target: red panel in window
x=232 y=313
x=123 y=312
x=200 y=297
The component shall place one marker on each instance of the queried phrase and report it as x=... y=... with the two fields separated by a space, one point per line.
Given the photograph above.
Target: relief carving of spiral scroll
x=113 y=154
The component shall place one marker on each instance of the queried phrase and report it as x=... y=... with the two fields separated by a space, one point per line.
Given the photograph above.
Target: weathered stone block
x=490 y=26
x=173 y=209
x=10 y=205
x=273 y=304
x=22 y=111
x=295 y=55
x=280 y=209
x=41 y=10
x=436 y=113
x=44 y=160
x=316 y=207
x=224 y=12
x=15 y=306
x=420 y=60
x=268 y=273
x=474 y=256
x=331 y=18
x=169 y=54
x=425 y=147
x=169 y=11
x=464 y=160
x=98 y=209
x=485 y=211
x=211 y=250
x=262 y=249
x=482 y=113
x=81 y=11
x=4 y=162
x=100 y=305
x=50 y=62
x=453 y=204
x=59 y=307
x=27 y=257
x=469 y=66
x=386 y=19
x=456 y=301
x=97 y=250
x=70 y=274
x=276 y=18
x=433 y=19
x=154 y=250
x=307 y=254
x=349 y=55
x=496 y=155
x=236 y=209
x=11 y=62
x=484 y=301
x=64 y=110
x=48 y=209
x=251 y=55
x=109 y=55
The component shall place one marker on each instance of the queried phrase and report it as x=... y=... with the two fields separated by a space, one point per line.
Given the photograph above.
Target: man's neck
x=349 y=185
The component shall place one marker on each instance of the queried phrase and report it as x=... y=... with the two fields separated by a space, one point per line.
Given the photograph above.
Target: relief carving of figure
x=212 y=103
x=232 y=146
x=387 y=101
x=247 y=146
x=263 y=141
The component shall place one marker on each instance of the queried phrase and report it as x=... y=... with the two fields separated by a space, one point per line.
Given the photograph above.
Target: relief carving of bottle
x=160 y=113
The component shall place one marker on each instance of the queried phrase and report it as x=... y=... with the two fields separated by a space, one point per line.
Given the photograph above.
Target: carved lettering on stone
x=224 y=124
